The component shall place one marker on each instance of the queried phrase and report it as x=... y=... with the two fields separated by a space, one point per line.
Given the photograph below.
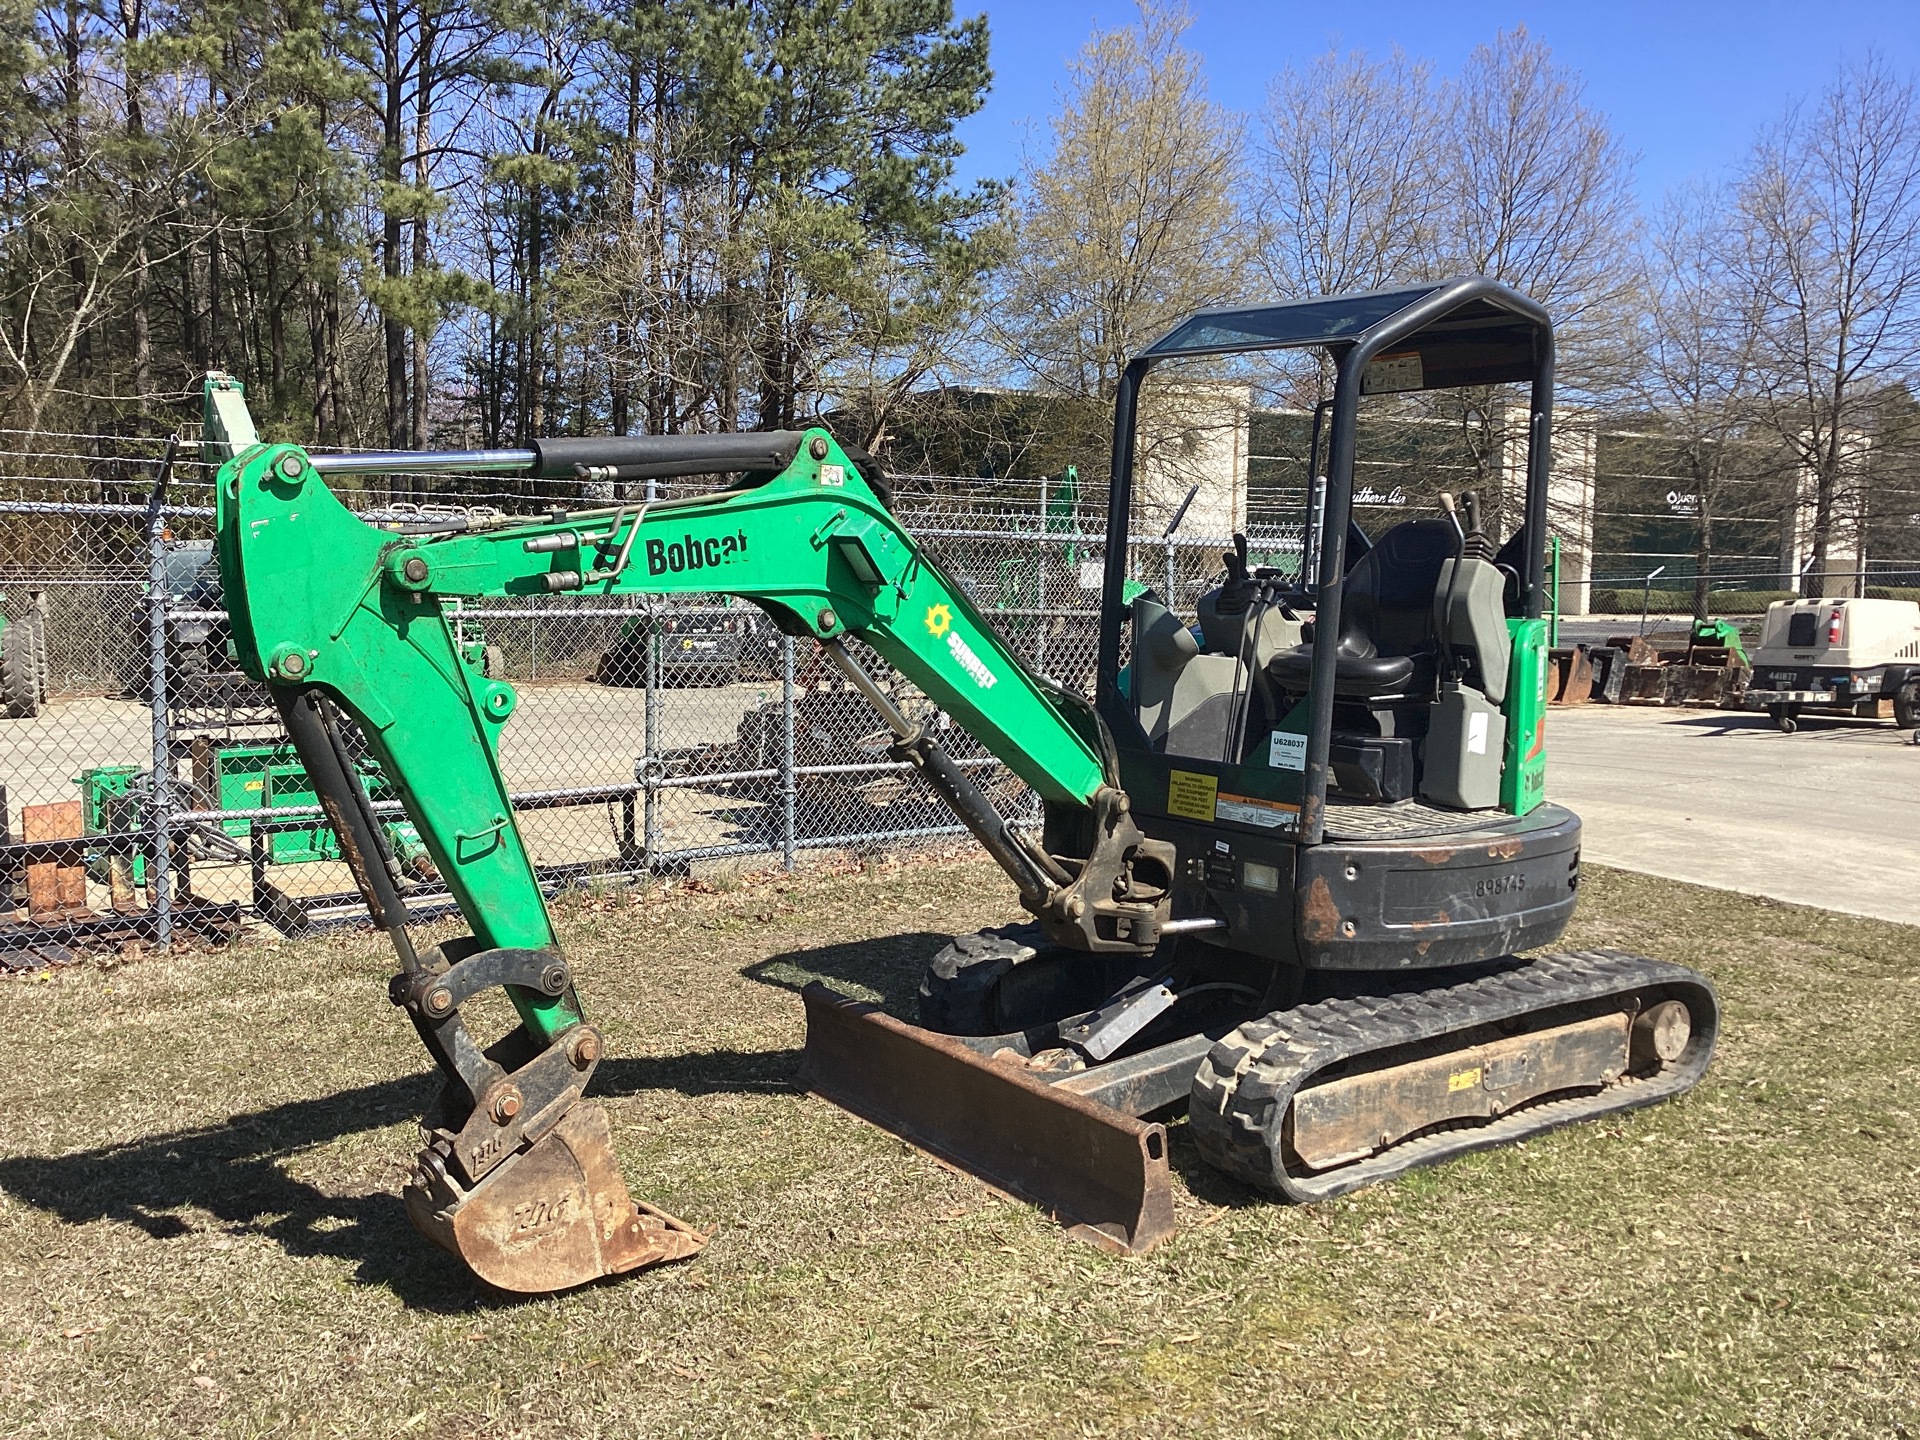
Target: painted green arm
x=321 y=600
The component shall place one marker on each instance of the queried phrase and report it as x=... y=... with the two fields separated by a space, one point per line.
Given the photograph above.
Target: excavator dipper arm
x=337 y=615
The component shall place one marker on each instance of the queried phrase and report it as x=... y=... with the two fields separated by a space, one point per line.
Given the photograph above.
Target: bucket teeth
x=554 y=1216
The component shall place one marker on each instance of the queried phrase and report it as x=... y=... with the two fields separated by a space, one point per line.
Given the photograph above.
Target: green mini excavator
x=1293 y=850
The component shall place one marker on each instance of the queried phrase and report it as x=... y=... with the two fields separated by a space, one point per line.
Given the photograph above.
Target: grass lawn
x=200 y=1229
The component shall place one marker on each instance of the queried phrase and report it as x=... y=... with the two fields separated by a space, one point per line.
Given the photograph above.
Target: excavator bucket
x=553 y=1217
x=1101 y=1173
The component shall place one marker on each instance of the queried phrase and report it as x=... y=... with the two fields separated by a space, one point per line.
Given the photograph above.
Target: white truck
x=1840 y=656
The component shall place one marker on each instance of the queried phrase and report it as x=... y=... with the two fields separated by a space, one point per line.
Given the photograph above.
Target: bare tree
x=1536 y=190
x=1342 y=185
x=82 y=245
x=1128 y=224
x=1533 y=189
x=1829 y=248
x=1696 y=371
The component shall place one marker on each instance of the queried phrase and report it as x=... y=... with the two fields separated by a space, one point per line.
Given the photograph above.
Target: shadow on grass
x=235 y=1171
x=888 y=966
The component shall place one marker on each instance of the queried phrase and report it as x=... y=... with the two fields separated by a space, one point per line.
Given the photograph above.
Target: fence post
x=789 y=784
x=160 y=791
x=652 y=712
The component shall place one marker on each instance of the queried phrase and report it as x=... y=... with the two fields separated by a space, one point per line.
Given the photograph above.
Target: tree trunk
x=276 y=328
x=393 y=333
x=422 y=180
x=325 y=427
x=132 y=21
x=1826 y=475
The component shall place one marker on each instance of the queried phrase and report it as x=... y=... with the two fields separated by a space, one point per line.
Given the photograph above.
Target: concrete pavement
x=1829 y=816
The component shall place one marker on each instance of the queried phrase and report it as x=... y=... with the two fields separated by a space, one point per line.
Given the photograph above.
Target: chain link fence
x=149 y=786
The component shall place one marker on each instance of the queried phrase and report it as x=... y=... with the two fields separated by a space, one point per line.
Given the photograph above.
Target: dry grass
x=200 y=1235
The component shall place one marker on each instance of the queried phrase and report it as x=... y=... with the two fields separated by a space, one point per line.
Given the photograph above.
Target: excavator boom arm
x=339 y=615
x=322 y=600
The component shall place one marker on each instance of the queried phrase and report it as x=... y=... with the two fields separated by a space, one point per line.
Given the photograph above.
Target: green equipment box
x=237 y=777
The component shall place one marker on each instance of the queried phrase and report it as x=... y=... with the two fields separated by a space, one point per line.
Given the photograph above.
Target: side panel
x=1523 y=775
x=1377 y=905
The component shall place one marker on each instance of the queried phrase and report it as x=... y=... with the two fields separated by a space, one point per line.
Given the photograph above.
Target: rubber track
x=1246 y=1084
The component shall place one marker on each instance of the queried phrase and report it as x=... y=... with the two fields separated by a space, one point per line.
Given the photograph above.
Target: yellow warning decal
x=1464 y=1079
x=1191 y=796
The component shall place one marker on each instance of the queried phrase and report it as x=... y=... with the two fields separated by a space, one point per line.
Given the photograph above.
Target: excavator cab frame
x=1311 y=832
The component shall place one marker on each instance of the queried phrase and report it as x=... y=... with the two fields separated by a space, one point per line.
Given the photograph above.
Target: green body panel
x=257 y=777
x=1722 y=632
x=1523 y=770
x=318 y=598
x=107 y=805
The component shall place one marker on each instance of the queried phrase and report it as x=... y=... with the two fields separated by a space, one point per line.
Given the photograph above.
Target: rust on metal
x=1319 y=915
x=1350 y=1118
x=1100 y=1173
x=554 y=1216
x=1507 y=849
x=56 y=887
x=1572 y=679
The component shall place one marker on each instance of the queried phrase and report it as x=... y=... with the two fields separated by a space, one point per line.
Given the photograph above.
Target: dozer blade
x=1098 y=1172
x=555 y=1216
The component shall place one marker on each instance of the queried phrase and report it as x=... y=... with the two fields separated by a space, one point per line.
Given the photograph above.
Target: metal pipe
x=651 y=713
x=989 y=827
x=90 y=507
x=1114 y=571
x=1539 y=468
x=1194 y=926
x=422 y=462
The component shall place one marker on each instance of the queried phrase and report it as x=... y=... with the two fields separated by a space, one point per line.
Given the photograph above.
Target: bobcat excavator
x=1289 y=857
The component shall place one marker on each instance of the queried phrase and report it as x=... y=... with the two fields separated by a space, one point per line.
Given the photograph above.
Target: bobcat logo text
x=693 y=553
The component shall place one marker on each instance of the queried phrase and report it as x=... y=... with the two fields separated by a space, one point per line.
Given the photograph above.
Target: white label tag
x=1391 y=373
x=1477 y=733
x=1287 y=751
x=833 y=475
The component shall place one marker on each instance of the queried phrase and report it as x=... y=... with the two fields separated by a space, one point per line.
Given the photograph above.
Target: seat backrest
x=1388 y=595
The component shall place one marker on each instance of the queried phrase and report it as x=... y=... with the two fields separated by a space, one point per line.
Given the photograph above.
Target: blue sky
x=1686 y=85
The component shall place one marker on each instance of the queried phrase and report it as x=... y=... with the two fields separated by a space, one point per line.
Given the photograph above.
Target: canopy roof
x=1490 y=336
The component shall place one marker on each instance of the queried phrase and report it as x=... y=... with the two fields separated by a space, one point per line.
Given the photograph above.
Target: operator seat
x=1187 y=691
x=1388 y=649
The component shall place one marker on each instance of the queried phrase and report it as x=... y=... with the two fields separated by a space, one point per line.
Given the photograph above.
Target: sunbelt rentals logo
x=940 y=624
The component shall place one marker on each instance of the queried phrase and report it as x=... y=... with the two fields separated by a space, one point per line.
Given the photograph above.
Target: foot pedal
x=555 y=1216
